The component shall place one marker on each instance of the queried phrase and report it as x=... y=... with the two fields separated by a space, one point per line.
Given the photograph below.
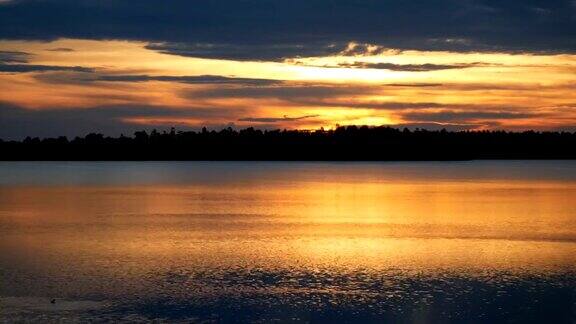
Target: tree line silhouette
x=349 y=143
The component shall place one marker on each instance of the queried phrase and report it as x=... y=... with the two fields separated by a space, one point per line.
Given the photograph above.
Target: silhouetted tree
x=342 y=143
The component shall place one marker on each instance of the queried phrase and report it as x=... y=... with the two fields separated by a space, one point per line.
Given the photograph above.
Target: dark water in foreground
x=472 y=242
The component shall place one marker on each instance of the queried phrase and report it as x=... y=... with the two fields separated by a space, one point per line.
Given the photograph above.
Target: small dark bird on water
x=53 y=301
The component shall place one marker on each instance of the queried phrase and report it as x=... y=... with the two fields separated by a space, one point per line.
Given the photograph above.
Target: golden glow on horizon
x=527 y=91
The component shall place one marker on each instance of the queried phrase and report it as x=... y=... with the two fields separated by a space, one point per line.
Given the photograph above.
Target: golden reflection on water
x=471 y=226
x=486 y=242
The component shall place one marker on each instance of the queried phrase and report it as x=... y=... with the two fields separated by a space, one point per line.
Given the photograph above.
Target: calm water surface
x=473 y=242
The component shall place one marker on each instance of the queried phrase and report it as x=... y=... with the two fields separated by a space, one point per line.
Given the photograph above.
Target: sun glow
x=478 y=90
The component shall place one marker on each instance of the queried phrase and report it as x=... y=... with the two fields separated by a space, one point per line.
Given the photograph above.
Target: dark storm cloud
x=412 y=67
x=17 y=122
x=275 y=119
x=277 y=29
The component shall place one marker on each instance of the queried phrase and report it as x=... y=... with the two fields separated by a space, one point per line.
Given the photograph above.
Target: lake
x=399 y=242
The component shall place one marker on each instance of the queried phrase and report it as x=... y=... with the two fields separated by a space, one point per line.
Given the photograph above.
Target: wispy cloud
x=276 y=119
x=286 y=91
x=447 y=116
x=199 y=79
x=60 y=49
x=26 y=68
x=413 y=67
x=14 y=57
x=17 y=62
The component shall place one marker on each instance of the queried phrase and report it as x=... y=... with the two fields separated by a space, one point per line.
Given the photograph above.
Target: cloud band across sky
x=269 y=30
x=472 y=64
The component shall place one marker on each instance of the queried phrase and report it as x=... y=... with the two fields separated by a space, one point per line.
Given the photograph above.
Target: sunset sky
x=69 y=67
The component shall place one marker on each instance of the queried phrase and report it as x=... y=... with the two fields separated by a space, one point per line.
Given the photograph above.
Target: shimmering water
x=473 y=242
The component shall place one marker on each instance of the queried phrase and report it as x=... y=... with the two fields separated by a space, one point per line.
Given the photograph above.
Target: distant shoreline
x=345 y=144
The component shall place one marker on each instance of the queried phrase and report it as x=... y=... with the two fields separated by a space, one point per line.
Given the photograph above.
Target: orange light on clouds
x=384 y=88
